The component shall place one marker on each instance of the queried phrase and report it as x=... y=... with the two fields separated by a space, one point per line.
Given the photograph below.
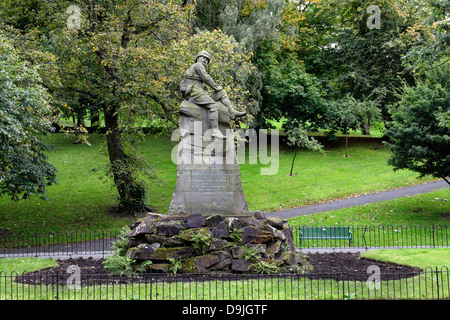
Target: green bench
x=325 y=233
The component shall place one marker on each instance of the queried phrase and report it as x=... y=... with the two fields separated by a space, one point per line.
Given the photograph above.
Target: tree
x=419 y=137
x=252 y=23
x=347 y=113
x=104 y=62
x=127 y=58
x=25 y=115
x=298 y=137
x=435 y=45
x=369 y=61
x=291 y=92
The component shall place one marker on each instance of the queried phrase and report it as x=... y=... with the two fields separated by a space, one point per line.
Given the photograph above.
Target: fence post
x=434 y=244
x=57 y=285
x=364 y=237
x=437 y=282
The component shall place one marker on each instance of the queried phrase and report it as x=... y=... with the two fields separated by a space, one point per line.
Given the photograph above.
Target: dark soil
x=343 y=266
x=338 y=266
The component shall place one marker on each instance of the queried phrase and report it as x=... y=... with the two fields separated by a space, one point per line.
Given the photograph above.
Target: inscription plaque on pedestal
x=209 y=189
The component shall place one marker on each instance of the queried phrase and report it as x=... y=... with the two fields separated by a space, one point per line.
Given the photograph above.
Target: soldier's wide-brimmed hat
x=205 y=54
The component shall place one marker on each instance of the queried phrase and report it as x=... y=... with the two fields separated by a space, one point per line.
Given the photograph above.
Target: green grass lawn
x=423 y=286
x=21 y=265
x=421 y=258
x=319 y=178
x=423 y=209
x=81 y=201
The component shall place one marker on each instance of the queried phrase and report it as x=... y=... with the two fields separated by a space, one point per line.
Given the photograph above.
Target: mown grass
x=423 y=209
x=81 y=201
x=423 y=286
x=421 y=258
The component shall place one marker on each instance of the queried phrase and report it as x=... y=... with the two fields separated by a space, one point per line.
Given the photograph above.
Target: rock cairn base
x=195 y=243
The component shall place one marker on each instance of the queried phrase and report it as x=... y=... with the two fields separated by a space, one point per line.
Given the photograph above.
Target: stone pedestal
x=215 y=243
x=208 y=175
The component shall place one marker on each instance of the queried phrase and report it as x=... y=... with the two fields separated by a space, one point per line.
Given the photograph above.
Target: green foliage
x=120 y=246
x=368 y=62
x=298 y=137
x=117 y=264
x=175 y=265
x=142 y=266
x=347 y=114
x=201 y=240
x=418 y=140
x=127 y=176
x=263 y=267
x=250 y=253
x=434 y=47
x=25 y=115
x=235 y=235
x=126 y=60
x=290 y=91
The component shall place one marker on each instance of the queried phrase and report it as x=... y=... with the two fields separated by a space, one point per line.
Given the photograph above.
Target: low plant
x=235 y=235
x=250 y=253
x=141 y=267
x=118 y=265
x=201 y=240
x=176 y=265
x=120 y=246
x=263 y=267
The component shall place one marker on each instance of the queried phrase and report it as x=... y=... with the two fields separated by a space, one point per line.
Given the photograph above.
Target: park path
x=360 y=200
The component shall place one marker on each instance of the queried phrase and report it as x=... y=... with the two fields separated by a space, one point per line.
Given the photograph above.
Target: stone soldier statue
x=193 y=91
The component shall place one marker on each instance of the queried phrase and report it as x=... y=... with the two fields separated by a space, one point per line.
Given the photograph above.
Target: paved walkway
x=361 y=200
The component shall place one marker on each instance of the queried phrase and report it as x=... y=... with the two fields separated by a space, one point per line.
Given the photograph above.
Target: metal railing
x=431 y=284
x=380 y=236
x=100 y=243
x=58 y=244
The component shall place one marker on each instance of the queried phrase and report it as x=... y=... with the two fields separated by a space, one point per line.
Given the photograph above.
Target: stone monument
x=208 y=175
x=208 y=227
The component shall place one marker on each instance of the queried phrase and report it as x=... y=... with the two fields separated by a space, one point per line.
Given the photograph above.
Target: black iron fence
x=379 y=236
x=430 y=284
x=374 y=236
x=57 y=243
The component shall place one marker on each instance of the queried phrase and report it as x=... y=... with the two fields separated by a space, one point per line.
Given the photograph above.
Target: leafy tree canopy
x=419 y=132
x=25 y=115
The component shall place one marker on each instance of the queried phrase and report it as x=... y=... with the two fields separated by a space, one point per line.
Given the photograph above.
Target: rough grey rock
x=220 y=231
x=240 y=265
x=164 y=239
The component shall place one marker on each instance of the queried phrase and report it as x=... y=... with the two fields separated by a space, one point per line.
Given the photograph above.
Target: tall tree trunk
x=128 y=188
x=80 y=119
x=365 y=127
x=346 y=138
x=293 y=160
x=95 y=119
